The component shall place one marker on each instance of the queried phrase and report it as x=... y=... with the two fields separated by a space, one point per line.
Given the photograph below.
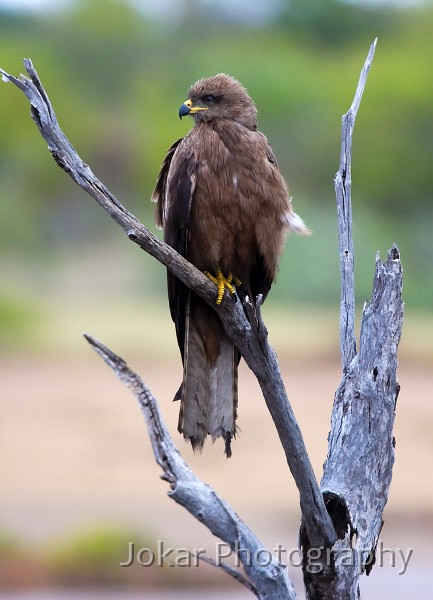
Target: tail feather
x=209 y=389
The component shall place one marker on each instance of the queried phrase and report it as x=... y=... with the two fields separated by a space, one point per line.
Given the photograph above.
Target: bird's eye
x=208 y=99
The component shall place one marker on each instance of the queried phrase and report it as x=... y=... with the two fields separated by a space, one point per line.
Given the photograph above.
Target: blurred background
x=77 y=475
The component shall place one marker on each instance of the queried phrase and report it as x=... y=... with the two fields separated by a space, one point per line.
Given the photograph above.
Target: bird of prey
x=223 y=205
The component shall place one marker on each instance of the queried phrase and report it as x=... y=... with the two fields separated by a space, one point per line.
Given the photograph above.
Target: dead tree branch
x=343 y=190
x=231 y=571
x=358 y=468
x=270 y=581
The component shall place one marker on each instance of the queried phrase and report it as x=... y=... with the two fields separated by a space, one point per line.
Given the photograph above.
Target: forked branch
x=358 y=468
x=269 y=581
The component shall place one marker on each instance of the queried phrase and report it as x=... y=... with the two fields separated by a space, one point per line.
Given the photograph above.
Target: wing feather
x=159 y=192
x=173 y=194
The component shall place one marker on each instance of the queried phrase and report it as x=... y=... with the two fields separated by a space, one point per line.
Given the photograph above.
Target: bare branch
x=231 y=571
x=358 y=468
x=270 y=580
x=67 y=158
x=255 y=349
x=343 y=187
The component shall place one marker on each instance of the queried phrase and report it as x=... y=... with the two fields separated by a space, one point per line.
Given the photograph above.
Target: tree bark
x=356 y=487
x=345 y=514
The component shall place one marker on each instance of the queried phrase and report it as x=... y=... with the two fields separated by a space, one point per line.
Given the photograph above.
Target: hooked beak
x=187 y=108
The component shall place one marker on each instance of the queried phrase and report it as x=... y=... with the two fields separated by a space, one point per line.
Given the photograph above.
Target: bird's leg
x=223 y=282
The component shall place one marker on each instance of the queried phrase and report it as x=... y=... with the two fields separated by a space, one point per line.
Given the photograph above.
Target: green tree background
x=116 y=77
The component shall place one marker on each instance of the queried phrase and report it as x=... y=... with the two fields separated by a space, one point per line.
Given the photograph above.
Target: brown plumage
x=223 y=204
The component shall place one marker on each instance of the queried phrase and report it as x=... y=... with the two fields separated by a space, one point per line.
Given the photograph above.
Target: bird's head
x=219 y=97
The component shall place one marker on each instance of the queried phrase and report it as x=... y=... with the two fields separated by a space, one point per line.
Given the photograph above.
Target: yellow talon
x=223 y=282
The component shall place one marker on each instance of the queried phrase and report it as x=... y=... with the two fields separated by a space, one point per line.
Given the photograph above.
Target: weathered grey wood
x=343 y=190
x=358 y=469
x=266 y=581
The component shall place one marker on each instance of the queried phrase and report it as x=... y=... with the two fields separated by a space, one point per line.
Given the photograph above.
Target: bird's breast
x=235 y=202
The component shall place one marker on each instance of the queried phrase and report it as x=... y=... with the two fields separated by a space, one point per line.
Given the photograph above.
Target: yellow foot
x=230 y=282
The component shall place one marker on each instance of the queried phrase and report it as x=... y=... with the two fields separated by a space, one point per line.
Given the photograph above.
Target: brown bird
x=225 y=207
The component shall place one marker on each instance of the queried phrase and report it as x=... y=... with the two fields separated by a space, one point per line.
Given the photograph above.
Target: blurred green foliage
x=87 y=558
x=96 y=547
x=9 y=545
x=116 y=80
